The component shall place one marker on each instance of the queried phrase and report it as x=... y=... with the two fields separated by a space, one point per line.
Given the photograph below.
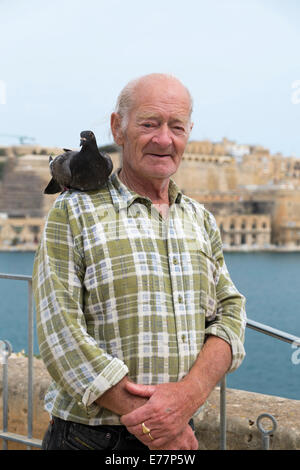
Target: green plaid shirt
x=120 y=290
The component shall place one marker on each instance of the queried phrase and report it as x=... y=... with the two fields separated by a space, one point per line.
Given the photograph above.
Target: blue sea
x=271 y=283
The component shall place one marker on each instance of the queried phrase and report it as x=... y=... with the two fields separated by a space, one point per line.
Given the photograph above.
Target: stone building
x=23 y=206
x=198 y=173
x=245 y=230
x=235 y=181
x=23 y=183
x=289 y=235
x=254 y=195
x=20 y=232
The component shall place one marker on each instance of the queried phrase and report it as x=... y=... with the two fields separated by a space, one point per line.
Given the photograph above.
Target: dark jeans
x=66 y=435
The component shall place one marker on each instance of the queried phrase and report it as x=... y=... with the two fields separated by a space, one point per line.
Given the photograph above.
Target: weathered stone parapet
x=17 y=398
x=243 y=409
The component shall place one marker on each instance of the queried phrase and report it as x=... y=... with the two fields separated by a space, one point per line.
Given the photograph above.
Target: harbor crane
x=23 y=139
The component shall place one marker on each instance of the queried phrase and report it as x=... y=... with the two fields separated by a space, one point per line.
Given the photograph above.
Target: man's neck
x=156 y=190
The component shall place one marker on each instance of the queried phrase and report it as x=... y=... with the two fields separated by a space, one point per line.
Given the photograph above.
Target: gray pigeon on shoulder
x=86 y=169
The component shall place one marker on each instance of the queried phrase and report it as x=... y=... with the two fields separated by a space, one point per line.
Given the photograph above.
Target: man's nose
x=163 y=136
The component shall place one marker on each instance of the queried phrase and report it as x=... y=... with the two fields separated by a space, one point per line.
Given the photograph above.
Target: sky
x=64 y=62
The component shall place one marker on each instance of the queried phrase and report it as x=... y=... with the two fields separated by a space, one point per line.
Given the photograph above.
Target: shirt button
x=180 y=299
x=183 y=337
x=175 y=261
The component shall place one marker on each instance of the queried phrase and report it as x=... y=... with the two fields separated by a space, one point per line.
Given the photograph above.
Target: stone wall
x=23 y=206
x=243 y=409
x=23 y=184
x=229 y=179
x=24 y=180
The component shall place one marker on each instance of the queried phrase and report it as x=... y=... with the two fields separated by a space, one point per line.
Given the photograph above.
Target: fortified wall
x=23 y=206
x=254 y=195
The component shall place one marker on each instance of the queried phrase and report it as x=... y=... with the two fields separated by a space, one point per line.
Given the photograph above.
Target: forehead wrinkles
x=162 y=109
x=157 y=116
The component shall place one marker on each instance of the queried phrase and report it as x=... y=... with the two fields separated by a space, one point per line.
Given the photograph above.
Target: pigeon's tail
x=53 y=187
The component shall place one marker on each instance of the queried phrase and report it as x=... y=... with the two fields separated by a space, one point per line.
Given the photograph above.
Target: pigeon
x=86 y=170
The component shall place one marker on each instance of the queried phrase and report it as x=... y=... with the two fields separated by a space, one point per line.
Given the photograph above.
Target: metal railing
x=6 y=349
x=269 y=331
x=4 y=434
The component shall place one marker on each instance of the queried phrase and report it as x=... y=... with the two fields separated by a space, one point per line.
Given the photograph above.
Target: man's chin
x=162 y=175
x=160 y=170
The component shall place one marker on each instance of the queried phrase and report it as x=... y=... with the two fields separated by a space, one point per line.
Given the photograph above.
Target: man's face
x=157 y=131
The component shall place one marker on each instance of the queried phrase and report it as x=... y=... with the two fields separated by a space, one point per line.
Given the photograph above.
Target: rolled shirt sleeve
x=72 y=357
x=230 y=320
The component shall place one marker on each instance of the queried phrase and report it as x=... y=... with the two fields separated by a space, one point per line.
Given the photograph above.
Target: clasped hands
x=162 y=423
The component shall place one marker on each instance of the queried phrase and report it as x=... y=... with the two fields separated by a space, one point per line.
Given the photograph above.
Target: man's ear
x=116 y=128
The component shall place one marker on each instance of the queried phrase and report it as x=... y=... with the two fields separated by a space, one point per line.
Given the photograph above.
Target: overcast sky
x=63 y=63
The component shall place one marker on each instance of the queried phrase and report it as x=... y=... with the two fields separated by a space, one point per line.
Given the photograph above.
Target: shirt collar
x=123 y=197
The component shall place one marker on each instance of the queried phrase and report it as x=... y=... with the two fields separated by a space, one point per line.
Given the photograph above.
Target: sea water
x=270 y=282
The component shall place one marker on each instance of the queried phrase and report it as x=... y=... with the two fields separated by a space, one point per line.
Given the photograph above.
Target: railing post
x=223 y=413
x=4 y=434
x=5 y=352
x=30 y=360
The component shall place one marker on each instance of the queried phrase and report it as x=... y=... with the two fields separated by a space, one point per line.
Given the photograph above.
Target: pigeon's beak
x=82 y=140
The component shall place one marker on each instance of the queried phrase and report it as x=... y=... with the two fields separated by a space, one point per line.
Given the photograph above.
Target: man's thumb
x=141 y=390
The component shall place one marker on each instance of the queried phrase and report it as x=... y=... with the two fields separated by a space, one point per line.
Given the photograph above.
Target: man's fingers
x=136 y=417
x=185 y=440
x=142 y=413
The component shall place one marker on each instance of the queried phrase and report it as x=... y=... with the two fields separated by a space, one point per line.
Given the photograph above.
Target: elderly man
x=138 y=318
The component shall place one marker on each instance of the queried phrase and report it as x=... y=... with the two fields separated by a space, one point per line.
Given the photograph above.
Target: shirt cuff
x=237 y=347
x=110 y=376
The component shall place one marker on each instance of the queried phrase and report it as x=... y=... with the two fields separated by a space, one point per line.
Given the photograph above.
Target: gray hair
x=126 y=97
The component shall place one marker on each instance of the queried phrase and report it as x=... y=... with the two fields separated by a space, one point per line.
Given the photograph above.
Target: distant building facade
x=20 y=232
x=241 y=184
x=245 y=230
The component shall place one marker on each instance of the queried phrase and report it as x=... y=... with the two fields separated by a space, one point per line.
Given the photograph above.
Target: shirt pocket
x=208 y=275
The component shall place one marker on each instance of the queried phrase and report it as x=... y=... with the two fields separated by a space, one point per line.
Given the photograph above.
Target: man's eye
x=179 y=129
x=147 y=124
